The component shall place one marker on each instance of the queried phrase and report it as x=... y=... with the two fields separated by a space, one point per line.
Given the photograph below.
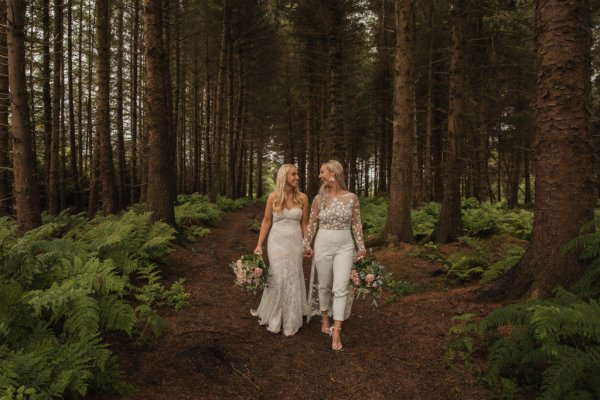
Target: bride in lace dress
x=283 y=303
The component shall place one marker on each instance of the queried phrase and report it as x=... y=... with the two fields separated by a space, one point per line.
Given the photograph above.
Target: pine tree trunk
x=398 y=221
x=428 y=172
x=80 y=172
x=335 y=145
x=482 y=156
x=218 y=133
x=47 y=98
x=230 y=152
x=208 y=158
x=121 y=166
x=311 y=168
x=4 y=106
x=105 y=164
x=54 y=188
x=27 y=205
x=449 y=227
x=564 y=190
x=72 y=136
x=160 y=198
x=134 y=192
x=528 y=201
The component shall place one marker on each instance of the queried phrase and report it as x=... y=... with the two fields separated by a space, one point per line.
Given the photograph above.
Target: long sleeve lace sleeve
x=357 y=225
x=312 y=224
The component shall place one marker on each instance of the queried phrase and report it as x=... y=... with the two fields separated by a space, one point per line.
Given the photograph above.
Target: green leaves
x=67 y=283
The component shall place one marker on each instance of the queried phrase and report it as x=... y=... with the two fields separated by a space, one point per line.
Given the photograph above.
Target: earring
x=331 y=179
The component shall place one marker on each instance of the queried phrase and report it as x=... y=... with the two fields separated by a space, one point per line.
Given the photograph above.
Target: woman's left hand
x=360 y=255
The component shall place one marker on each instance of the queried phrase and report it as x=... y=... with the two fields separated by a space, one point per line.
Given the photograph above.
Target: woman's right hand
x=258 y=250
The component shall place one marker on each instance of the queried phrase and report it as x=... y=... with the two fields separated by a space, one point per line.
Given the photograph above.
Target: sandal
x=327 y=330
x=333 y=346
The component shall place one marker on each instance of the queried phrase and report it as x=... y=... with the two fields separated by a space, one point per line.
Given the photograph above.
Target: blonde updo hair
x=279 y=201
x=338 y=171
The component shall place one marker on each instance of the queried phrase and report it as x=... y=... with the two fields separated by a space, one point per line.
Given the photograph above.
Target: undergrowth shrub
x=194 y=214
x=550 y=347
x=482 y=262
x=63 y=286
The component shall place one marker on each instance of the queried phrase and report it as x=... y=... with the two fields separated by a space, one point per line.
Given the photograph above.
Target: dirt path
x=215 y=349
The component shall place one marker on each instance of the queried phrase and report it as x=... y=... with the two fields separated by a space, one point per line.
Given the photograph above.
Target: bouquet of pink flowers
x=369 y=277
x=251 y=272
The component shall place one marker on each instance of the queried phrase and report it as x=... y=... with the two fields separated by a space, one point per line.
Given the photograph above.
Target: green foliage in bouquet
x=369 y=277
x=551 y=347
x=251 y=272
x=63 y=286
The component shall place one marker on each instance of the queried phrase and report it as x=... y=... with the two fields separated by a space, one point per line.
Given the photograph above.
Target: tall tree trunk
x=482 y=156
x=218 y=133
x=528 y=201
x=208 y=158
x=564 y=190
x=47 y=98
x=335 y=145
x=311 y=168
x=398 y=221
x=514 y=177
x=72 y=136
x=449 y=227
x=171 y=122
x=27 y=205
x=105 y=164
x=160 y=198
x=121 y=166
x=428 y=172
x=54 y=188
x=134 y=192
x=230 y=184
x=4 y=106
x=80 y=173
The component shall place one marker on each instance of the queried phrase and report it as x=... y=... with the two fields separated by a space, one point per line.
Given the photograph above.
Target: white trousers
x=334 y=255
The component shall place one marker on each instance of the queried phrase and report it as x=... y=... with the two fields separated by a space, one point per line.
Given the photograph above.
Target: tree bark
x=564 y=185
x=72 y=135
x=105 y=164
x=4 y=106
x=449 y=226
x=398 y=221
x=121 y=165
x=47 y=98
x=160 y=198
x=54 y=189
x=134 y=192
x=218 y=133
x=27 y=205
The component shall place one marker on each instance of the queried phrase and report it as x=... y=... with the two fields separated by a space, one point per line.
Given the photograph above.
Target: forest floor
x=215 y=349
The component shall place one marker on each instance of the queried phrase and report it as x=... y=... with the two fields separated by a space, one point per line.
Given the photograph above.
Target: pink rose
x=375 y=286
x=258 y=272
x=239 y=276
x=370 y=278
x=239 y=263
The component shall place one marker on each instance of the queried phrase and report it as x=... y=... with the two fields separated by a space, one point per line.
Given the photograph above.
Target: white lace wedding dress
x=283 y=303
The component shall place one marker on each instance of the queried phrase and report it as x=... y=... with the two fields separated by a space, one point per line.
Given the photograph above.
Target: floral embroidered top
x=336 y=213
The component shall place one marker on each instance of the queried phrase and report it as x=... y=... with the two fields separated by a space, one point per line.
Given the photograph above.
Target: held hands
x=308 y=252
x=258 y=250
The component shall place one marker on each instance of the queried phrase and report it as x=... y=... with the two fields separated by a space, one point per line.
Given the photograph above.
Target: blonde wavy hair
x=280 y=181
x=337 y=169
